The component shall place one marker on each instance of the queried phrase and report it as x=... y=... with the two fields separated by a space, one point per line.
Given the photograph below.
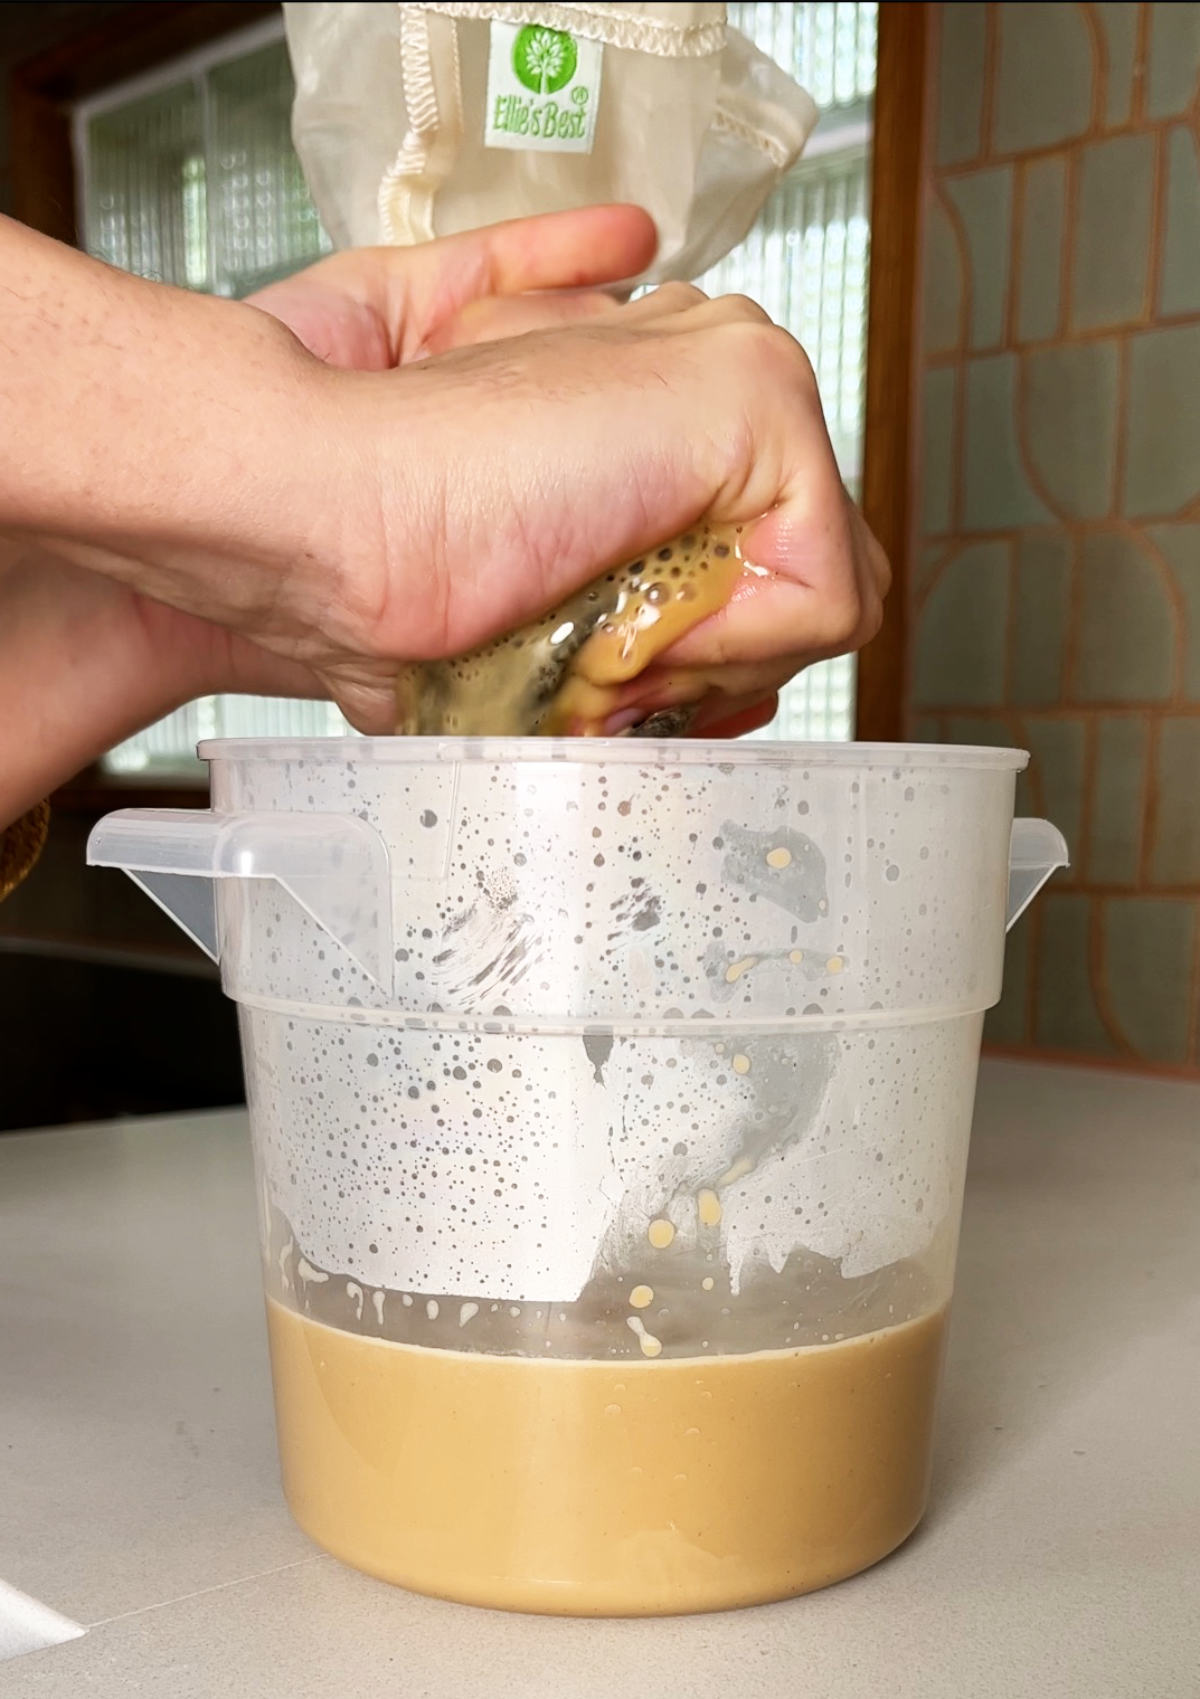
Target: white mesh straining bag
x=421 y=120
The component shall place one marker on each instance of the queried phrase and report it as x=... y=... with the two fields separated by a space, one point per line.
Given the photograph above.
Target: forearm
x=141 y=421
x=80 y=668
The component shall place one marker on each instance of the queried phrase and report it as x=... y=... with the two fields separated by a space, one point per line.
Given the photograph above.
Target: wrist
x=232 y=470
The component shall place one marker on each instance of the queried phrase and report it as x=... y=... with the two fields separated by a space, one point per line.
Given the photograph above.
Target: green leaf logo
x=544 y=59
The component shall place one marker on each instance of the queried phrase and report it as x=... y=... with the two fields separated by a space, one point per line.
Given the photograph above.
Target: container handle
x=1036 y=850
x=334 y=865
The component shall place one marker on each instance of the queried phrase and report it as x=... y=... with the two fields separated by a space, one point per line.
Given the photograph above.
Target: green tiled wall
x=1056 y=580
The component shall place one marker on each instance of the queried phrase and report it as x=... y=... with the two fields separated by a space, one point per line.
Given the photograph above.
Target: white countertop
x=1060 y=1558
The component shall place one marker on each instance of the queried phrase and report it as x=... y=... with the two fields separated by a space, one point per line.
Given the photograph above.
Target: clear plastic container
x=610 y=1105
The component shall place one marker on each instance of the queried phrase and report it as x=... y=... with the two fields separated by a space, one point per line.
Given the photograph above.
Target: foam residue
x=418 y=1146
x=563 y=674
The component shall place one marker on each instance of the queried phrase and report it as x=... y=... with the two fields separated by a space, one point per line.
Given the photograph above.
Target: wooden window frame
x=140 y=38
x=888 y=459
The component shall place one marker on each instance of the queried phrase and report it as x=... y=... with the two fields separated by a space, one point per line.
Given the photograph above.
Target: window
x=193 y=179
x=189 y=176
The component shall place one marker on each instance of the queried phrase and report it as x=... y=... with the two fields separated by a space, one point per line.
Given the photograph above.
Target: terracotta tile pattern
x=1056 y=592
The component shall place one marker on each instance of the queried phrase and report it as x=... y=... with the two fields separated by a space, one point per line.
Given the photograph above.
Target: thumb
x=582 y=249
x=498 y=316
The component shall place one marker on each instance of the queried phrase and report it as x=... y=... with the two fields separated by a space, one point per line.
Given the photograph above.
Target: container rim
x=624 y=751
x=656 y=1025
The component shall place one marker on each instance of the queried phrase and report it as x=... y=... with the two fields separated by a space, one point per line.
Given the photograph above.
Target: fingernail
x=621 y=721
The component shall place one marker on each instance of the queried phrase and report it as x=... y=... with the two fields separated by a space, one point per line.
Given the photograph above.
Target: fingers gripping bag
x=414 y=121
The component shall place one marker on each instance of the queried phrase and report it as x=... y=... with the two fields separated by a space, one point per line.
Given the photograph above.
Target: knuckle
x=754 y=350
x=802 y=368
x=775 y=352
x=678 y=296
x=842 y=618
x=741 y=309
x=881 y=568
x=872 y=619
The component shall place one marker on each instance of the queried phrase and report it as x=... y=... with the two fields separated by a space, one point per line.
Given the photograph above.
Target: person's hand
x=379 y=307
x=415 y=513
x=341 y=521
x=87 y=659
x=370 y=309
x=534 y=463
